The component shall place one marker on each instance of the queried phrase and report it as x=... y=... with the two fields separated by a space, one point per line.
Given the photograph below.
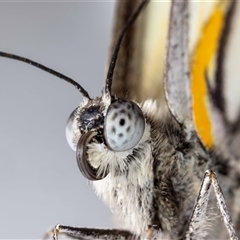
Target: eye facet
x=124 y=125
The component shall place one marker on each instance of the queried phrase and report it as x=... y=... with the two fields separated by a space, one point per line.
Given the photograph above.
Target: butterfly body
x=155 y=184
x=160 y=187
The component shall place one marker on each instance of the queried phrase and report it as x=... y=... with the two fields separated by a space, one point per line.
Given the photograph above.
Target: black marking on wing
x=218 y=92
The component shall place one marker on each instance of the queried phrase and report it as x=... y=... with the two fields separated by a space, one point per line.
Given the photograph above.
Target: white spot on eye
x=124 y=125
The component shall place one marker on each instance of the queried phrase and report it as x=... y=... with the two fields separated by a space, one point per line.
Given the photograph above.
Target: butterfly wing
x=139 y=69
x=207 y=74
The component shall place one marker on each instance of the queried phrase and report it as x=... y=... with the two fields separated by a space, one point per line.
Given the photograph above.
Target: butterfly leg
x=90 y=233
x=200 y=208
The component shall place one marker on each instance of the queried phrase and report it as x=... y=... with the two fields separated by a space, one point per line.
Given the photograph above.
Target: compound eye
x=124 y=125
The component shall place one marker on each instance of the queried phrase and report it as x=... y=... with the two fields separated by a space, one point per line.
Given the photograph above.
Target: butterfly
x=155 y=197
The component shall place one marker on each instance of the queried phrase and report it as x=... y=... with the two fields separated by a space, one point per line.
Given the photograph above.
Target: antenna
x=49 y=70
x=108 y=84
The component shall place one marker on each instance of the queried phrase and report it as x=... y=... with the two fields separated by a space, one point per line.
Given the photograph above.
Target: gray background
x=40 y=184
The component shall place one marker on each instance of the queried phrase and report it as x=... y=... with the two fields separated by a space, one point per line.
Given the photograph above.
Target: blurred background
x=40 y=183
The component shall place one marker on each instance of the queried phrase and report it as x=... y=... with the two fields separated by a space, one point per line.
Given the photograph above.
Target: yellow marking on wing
x=203 y=56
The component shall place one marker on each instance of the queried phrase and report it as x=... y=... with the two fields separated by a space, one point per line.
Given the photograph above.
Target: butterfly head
x=117 y=124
